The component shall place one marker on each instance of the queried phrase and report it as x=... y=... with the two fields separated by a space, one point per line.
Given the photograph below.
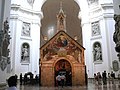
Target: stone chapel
x=62 y=55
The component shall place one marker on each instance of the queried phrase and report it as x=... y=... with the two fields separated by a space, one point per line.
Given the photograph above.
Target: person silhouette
x=12 y=83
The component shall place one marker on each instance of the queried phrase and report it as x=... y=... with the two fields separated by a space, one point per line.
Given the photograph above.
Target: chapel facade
x=62 y=55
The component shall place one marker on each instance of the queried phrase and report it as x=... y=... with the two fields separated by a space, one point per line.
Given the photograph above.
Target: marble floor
x=90 y=86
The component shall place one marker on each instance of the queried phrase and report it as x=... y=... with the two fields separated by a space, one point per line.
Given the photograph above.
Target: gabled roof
x=57 y=35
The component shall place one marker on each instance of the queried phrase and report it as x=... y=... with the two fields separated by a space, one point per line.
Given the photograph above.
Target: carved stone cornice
x=16 y=7
x=107 y=6
x=106 y=10
x=95 y=12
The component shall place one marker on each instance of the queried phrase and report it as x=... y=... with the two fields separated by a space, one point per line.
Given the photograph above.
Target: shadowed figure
x=12 y=83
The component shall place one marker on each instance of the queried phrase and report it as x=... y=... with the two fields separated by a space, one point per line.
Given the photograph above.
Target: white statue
x=25 y=53
x=97 y=53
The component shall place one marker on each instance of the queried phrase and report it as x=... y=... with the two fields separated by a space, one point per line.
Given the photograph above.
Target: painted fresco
x=62 y=46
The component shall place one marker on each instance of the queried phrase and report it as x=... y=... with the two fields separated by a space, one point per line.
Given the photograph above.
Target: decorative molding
x=98 y=10
x=108 y=15
x=26 y=38
x=95 y=12
x=96 y=37
x=107 y=6
x=98 y=62
x=25 y=19
x=16 y=7
x=14 y=16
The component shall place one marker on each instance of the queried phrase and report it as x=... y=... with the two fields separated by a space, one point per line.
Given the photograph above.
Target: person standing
x=112 y=77
x=12 y=83
x=104 y=76
x=63 y=80
x=119 y=79
x=95 y=79
x=20 y=78
x=109 y=78
x=58 y=79
x=99 y=78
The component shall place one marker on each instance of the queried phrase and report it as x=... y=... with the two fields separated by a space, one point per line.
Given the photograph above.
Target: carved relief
x=116 y=36
x=26 y=29
x=4 y=43
x=95 y=28
x=97 y=52
x=25 y=51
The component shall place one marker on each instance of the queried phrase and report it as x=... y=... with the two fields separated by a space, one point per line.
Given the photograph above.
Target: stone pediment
x=62 y=45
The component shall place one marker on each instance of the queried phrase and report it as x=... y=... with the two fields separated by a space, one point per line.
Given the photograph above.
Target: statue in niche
x=26 y=29
x=25 y=53
x=95 y=29
x=97 y=53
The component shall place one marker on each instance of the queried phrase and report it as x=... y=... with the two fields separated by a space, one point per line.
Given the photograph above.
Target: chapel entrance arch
x=63 y=67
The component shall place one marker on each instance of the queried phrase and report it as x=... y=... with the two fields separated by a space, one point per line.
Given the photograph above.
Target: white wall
x=23 y=12
x=103 y=12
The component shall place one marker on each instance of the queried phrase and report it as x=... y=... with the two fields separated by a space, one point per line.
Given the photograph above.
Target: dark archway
x=64 y=67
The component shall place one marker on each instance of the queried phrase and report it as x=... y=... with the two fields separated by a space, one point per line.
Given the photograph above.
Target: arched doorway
x=64 y=67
